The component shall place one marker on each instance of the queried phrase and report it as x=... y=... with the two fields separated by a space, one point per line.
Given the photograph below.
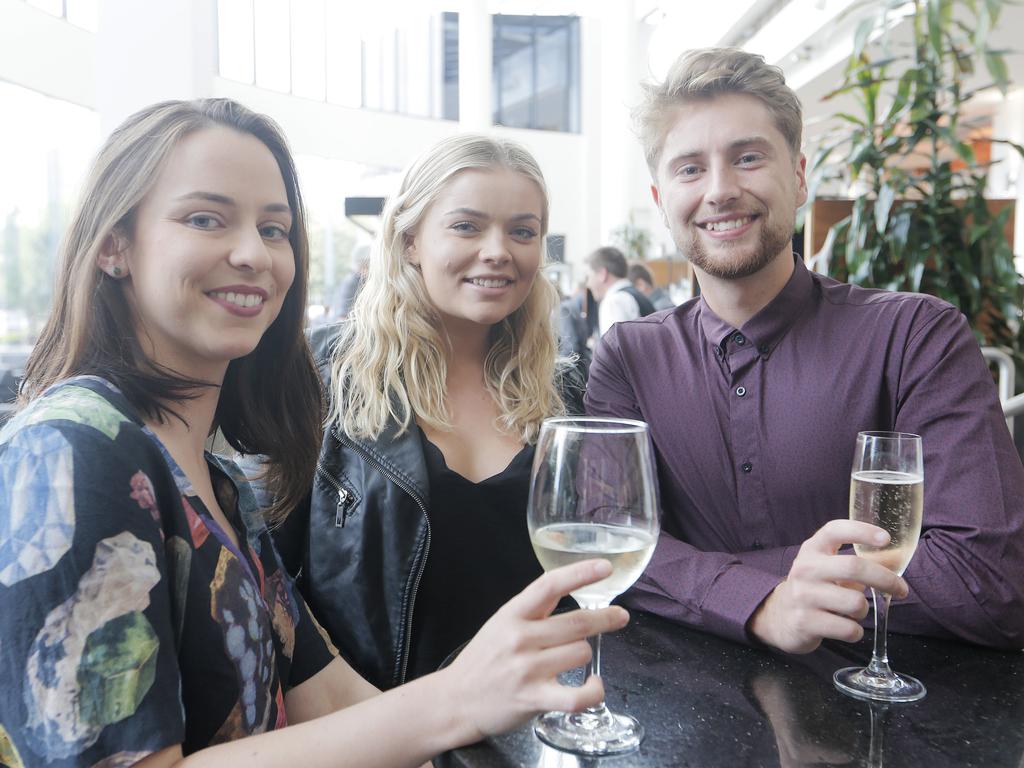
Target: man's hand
x=823 y=595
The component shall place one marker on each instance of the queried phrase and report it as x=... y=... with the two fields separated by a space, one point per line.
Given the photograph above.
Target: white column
x=593 y=174
x=475 y=65
x=618 y=144
x=152 y=51
x=1005 y=179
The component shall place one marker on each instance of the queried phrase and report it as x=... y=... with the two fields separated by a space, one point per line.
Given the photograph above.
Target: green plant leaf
x=980 y=34
x=882 y=205
x=1015 y=145
x=977 y=232
x=996 y=65
x=994 y=8
x=860 y=37
x=934 y=11
x=964 y=63
x=848 y=118
x=926 y=227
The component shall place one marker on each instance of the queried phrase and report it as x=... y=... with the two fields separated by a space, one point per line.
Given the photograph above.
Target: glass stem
x=594 y=670
x=595 y=657
x=876 y=748
x=880 y=657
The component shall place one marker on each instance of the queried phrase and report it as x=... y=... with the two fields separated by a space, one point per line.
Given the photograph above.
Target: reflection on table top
x=709 y=702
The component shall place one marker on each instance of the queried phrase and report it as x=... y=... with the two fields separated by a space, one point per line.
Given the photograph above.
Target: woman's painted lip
x=250 y=308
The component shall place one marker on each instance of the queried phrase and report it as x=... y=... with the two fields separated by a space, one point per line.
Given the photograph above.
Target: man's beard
x=770 y=243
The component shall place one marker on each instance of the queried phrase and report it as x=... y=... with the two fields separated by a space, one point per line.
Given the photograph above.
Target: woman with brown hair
x=145 y=617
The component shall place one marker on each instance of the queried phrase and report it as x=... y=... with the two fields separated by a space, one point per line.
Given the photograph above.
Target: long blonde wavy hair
x=391 y=361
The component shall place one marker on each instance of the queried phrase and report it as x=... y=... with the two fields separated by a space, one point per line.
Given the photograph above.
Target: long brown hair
x=270 y=401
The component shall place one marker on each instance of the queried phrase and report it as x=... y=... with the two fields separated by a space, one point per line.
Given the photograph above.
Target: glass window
x=536 y=72
x=332 y=236
x=235 y=40
x=344 y=57
x=272 y=43
x=45 y=155
x=379 y=73
x=309 y=59
x=317 y=50
x=450 y=73
x=52 y=7
x=82 y=13
x=412 y=68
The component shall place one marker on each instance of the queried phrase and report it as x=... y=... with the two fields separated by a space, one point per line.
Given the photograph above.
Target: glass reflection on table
x=717 y=704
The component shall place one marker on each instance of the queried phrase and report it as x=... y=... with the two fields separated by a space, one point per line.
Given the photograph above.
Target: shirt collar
x=764 y=330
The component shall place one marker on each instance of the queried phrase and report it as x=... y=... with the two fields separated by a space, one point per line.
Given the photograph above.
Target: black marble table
x=708 y=702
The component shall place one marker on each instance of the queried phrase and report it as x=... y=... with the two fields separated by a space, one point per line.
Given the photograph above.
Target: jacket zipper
x=426 y=548
x=343 y=494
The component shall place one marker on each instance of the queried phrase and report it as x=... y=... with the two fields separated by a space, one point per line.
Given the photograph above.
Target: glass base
x=593 y=732
x=861 y=683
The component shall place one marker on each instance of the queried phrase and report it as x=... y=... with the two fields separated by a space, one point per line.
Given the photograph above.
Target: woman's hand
x=507 y=672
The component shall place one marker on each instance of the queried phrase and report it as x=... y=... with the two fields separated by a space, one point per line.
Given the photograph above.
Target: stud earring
x=116 y=271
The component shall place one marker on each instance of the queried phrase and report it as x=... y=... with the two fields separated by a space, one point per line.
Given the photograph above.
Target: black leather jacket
x=359 y=547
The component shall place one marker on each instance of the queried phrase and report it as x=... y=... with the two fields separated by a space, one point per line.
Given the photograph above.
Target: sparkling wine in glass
x=592 y=495
x=887 y=490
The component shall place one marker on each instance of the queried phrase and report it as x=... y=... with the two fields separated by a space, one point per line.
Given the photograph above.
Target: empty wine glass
x=887 y=490
x=592 y=494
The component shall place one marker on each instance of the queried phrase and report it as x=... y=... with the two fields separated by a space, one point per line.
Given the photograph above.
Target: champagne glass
x=592 y=494
x=887 y=490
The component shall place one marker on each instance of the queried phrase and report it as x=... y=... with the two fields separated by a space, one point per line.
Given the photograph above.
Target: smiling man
x=755 y=392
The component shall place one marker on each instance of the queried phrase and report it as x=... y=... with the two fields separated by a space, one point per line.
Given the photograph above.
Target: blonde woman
x=145 y=617
x=416 y=528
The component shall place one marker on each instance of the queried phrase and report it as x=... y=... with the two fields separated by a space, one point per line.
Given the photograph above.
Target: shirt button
x=746 y=467
x=741 y=391
x=739 y=339
x=757 y=545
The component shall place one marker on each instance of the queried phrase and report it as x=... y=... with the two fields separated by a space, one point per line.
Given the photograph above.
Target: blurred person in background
x=577 y=328
x=642 y=280
x=617 y=299
x=344 y=296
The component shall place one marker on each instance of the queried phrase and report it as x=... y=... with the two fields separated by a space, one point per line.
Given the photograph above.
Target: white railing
x=1012 y=406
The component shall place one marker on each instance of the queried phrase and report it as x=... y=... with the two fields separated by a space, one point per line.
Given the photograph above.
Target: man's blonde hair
x=391 y=361
x=704 y=73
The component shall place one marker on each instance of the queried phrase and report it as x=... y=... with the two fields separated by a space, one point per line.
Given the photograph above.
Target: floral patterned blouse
x=129 y=621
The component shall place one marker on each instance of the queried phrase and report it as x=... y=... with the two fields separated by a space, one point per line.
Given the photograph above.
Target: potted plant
x=632 y=240
x=923 y=223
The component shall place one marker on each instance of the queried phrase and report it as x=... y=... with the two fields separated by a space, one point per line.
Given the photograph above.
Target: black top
x=480 y=555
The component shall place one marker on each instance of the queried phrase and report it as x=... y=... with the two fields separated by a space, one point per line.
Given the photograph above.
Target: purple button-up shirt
x=754 y=432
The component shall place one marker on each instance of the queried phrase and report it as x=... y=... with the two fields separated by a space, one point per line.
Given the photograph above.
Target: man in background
x=617 y=299
x=642 y=280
